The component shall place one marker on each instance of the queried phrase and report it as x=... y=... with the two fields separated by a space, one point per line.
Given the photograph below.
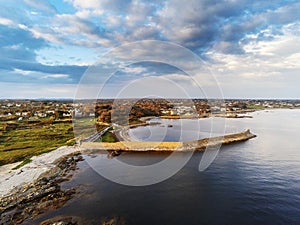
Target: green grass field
x=20 y=140
x=25 y=141
x=108 y=137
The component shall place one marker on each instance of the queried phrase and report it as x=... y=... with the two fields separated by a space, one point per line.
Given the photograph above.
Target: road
x=96 y=136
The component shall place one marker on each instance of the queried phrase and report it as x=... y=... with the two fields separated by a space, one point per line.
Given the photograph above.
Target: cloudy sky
x=250 y=47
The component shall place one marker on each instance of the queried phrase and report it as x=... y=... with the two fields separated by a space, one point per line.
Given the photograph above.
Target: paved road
x=96 y=136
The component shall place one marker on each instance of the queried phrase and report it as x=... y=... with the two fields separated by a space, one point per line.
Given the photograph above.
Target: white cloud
x=123 y=21
x=134 y=70
x=22 y=26
x=293 y=61
x=177 y=77
x=6 y=22
x=257 y=75
x=248 y=45
x=102 y=6
x=86 y=4
x=266 y=66
x=41 y=5
x=23 y=72
x=15 y=47
x=280 y=45
x=55 y=76
x=39 y=75
x=83 y=14
x=46 y=34
x=113 y=21
x=81 y=32
x=262 y=58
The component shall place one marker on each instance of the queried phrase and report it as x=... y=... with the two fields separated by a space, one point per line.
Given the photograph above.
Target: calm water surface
x=255 y=182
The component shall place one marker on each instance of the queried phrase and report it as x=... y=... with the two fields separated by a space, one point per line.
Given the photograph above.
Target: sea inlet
x=253 y=182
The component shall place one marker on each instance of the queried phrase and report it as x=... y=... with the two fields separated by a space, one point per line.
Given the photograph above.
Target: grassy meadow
x=20 y=141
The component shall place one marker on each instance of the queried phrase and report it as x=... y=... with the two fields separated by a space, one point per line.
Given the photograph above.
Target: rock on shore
x=10 y=179
x=30 y=200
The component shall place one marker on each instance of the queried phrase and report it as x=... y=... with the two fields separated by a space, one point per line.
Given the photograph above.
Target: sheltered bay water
x=251 y=182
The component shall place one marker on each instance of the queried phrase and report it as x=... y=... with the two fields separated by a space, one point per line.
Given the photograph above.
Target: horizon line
x=108 y=98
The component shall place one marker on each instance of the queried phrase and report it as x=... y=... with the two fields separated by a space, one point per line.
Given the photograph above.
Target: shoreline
x=11 y=179
x=198 y=145
x=29 y=187
x=42 y=194
x=36 y=187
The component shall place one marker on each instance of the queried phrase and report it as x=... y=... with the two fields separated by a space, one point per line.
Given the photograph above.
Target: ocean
x=253 y=182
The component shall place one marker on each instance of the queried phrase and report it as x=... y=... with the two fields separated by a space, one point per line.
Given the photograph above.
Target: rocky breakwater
x=32 y=199
x=199 y=145
x=218 y=141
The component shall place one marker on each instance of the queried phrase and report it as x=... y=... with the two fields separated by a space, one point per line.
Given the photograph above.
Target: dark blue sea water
x=254 y=182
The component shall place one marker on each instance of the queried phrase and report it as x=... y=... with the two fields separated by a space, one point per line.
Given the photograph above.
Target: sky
x=251 y=48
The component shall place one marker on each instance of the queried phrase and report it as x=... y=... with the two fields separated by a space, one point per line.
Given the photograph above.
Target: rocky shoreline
x=26 y=202
x=30 y=200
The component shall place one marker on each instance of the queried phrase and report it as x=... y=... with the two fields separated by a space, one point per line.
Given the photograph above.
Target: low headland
x=198 y=145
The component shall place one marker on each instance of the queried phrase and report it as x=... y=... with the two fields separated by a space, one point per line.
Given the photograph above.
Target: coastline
x=42 y=194
x=198 y=145
x=11 y=179
x=36 y=185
